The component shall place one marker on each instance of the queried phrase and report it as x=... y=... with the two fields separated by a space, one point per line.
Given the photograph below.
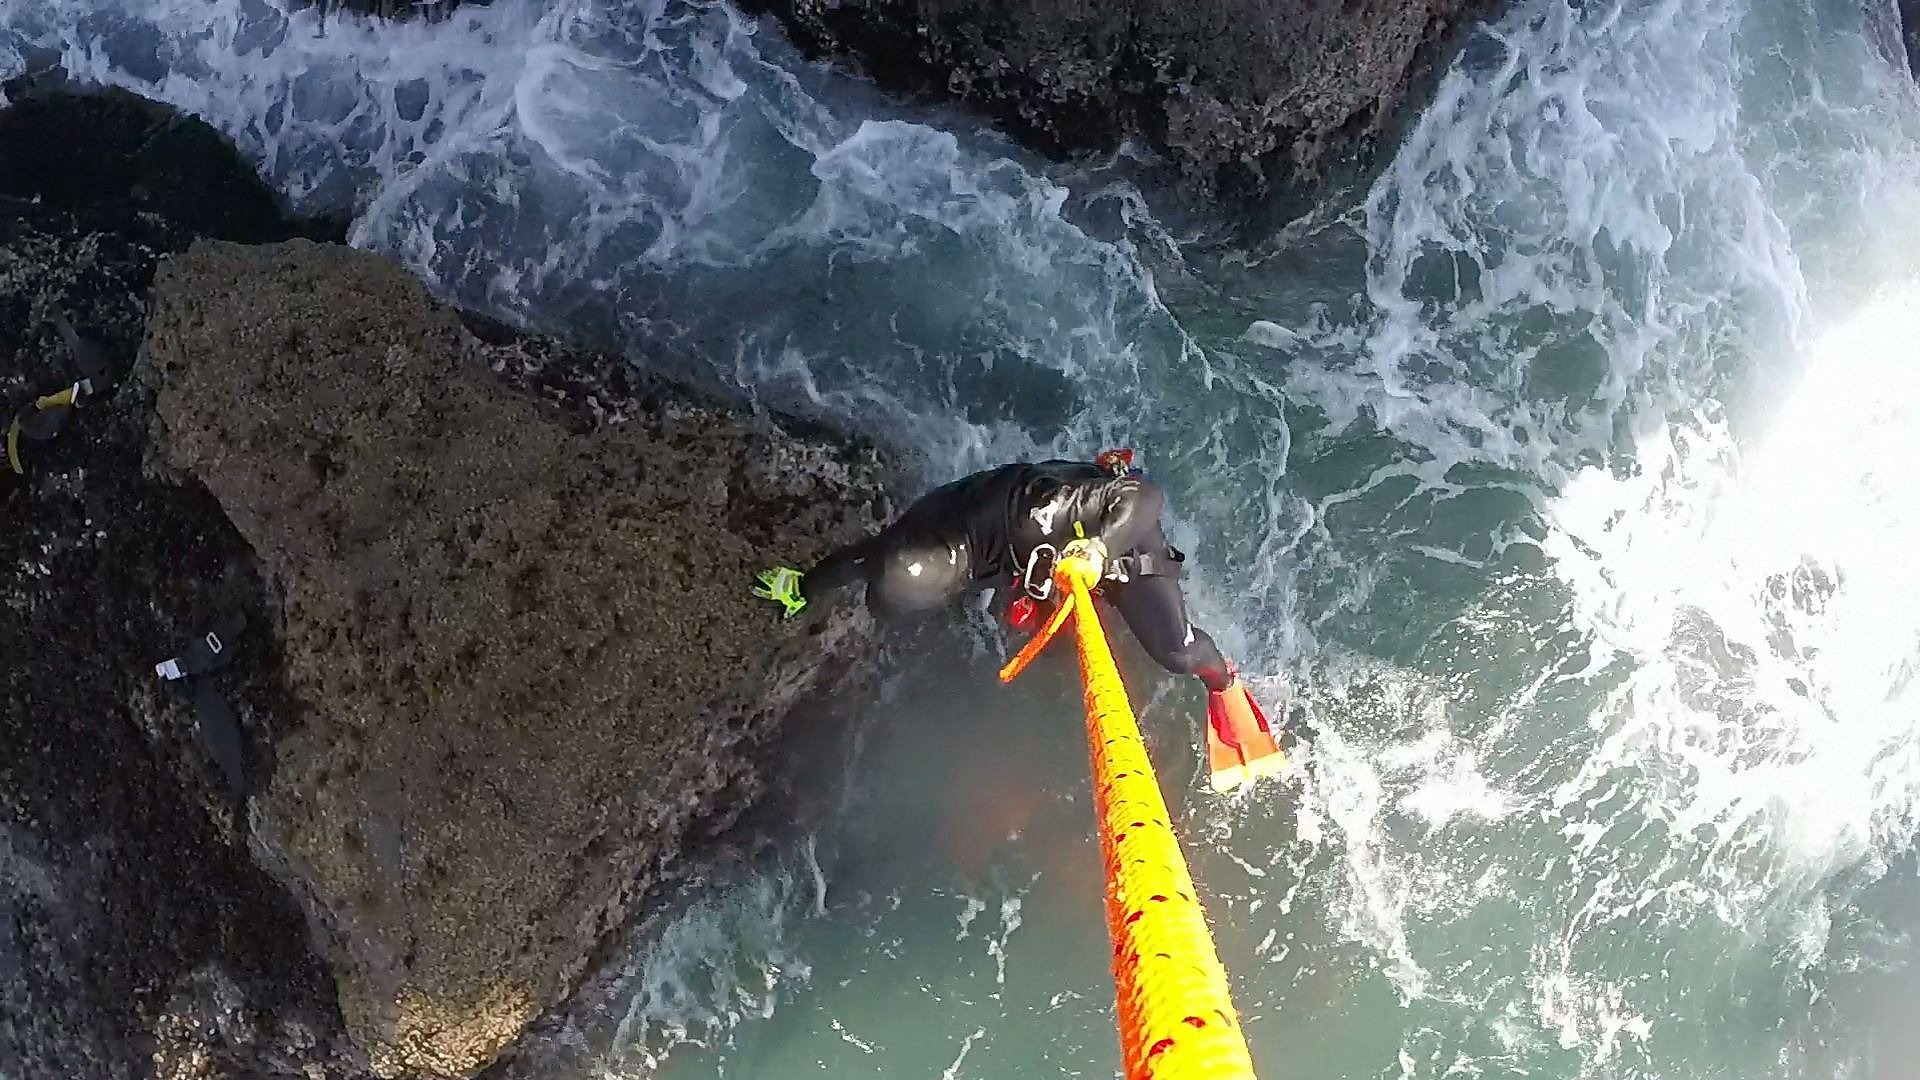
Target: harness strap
x=1146 y=565
x=1122 y=570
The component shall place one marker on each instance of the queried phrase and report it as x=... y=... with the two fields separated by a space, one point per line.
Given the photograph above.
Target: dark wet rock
x=137 y=936
x=1909 y=11
x=111 y=151
x=395 y=9
x=1241 y=96
x=516 y=625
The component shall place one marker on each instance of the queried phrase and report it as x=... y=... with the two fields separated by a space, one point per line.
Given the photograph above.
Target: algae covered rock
x=515 y=622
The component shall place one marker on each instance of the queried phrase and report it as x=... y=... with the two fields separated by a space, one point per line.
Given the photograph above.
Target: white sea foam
x=1604 y=277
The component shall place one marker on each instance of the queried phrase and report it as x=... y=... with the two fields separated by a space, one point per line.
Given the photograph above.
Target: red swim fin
x=1240 y=743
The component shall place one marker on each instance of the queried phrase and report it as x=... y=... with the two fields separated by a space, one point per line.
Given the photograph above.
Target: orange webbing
x=1176 y=1016
x=1039 y=641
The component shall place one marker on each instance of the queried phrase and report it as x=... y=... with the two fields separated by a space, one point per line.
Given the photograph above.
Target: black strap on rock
x=219 y=725
x=88 y=355
x=210 y=651
x=220 y=733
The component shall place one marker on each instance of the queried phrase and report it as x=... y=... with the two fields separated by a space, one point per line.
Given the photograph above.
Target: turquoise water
x=1560 y=477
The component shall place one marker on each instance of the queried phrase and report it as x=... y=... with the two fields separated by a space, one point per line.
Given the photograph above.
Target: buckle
x=1040 y=587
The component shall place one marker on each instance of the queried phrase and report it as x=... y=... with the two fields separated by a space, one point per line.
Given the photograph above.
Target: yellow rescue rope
x=1176 y=1015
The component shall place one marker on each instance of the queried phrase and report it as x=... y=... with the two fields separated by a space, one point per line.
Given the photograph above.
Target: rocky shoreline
x=434 y=772
x=522 y=641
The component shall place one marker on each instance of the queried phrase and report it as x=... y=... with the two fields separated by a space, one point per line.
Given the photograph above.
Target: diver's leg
x=1240 y=742
x=917 y=571
x=924 y=526
x=1156 y=612
x=844 y=567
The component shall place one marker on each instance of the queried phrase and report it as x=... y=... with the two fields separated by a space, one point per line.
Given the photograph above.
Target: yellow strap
x=55 y=401
x=1176 y=1015
x=13 y=446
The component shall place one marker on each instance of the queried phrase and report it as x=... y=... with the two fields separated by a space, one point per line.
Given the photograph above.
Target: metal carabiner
x=1040 y=588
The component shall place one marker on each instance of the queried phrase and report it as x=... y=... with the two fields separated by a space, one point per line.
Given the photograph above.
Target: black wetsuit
x=980 y=531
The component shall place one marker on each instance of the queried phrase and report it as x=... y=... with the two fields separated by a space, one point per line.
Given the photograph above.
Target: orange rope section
x=1176 y=1015
x=1040 y=641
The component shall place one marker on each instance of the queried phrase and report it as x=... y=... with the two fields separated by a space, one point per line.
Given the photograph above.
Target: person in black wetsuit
x=1006 y=527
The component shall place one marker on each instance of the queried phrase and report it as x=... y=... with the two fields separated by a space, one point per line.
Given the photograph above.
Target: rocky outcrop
x=519 y=632
x=494 y=672
x=1241 y=95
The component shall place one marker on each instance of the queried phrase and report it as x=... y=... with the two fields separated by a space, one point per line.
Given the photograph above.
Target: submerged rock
x=519 y=633
x=1240 y=95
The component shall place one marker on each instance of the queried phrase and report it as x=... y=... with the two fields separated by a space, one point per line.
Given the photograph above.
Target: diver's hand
x=1090 y=554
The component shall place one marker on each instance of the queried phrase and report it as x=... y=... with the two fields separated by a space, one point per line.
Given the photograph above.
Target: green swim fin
x=781 y=584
